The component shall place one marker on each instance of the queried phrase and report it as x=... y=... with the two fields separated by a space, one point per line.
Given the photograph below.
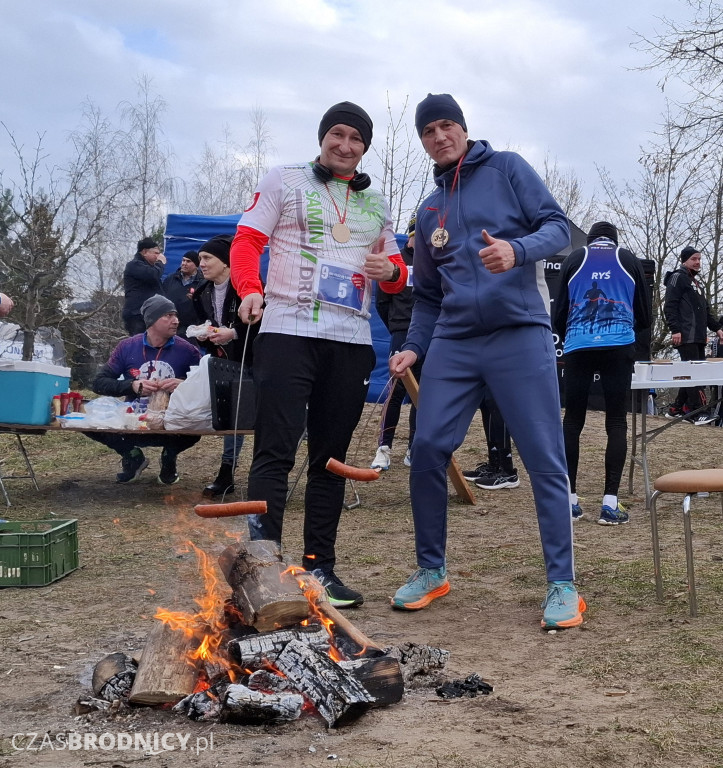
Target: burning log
x=165 y=674
x=113 y=677
x=334 y=691
x=263 y=591
x=256 y=650
x=242 y=705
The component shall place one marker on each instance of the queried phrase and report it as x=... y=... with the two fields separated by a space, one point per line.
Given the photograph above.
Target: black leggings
x=321 y=384
x=615 y=367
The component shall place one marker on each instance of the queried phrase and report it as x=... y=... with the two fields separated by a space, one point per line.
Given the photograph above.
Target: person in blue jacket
x=481 y=317
x=141 y=280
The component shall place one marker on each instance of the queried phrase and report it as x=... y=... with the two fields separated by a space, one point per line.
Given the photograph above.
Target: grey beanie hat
x=154 y=308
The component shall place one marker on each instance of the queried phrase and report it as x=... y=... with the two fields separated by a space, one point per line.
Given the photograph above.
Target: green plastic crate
x=37 y=552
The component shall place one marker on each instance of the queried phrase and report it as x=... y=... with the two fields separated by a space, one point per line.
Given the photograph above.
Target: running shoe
x=383 y=458
x=702 y=419
x=339 y=595
x=498 y=480
x=562 y=606
x=408 y=458
x=423 y=586
x=479 y=471
x=610 y=516
x=576 y=511
x=168 y=474
x=133 y=463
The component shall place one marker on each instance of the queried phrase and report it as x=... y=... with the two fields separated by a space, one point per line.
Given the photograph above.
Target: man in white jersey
x=329 y=236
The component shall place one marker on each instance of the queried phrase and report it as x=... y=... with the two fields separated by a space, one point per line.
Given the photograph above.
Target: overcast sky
x=536 y=75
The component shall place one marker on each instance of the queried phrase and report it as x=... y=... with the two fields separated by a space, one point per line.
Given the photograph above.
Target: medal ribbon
x=443 y=219
x=342 y=219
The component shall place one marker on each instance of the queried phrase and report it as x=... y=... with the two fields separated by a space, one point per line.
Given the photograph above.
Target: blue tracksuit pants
x=518 y=365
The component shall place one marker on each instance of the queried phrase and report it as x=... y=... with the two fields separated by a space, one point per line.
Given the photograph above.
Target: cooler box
x=28 y=389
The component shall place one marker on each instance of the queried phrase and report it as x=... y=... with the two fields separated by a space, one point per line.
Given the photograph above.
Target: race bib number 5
x=341 y=285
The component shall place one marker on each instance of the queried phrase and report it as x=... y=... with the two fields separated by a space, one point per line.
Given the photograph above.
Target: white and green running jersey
x=315 y=285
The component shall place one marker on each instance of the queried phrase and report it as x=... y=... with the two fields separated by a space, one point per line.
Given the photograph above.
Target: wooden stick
x=453 y=471
x=352 y=632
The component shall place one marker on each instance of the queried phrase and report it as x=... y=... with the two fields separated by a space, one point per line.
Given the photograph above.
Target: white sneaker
x=383 y=458
x=408 y=458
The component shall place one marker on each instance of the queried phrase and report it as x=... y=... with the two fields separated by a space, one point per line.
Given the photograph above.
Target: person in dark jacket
x=395 y=311
x=600 y=339
x=216 y=300
x=180 y=286
x=688 y=315
x=141 y=280
x=142 y=364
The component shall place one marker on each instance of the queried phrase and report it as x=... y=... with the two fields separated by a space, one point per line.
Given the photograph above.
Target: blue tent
x=186 y=232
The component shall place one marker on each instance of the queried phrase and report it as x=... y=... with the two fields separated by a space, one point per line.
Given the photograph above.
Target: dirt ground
x=639 y=684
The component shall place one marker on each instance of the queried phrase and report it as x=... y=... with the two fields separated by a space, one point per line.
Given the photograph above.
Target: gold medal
x=440 y=237
x=340 y=232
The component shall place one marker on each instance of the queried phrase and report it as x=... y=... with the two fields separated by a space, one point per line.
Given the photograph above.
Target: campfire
x=272 y=649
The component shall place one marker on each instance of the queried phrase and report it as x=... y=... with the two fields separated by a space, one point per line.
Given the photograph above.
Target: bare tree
x=692 y=53
x=147 y=159
x=569 y=192
x=221 y=181
x=259 y=146
x=52 y=216
x=405 y=177
x=669 y=205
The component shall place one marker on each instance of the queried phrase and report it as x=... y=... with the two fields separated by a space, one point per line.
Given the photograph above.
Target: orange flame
x=208 y=622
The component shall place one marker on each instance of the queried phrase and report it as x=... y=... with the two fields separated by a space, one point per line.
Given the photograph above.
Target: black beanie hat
x=191 y=256
x=154 y=308
x=687 y=252
x=346 y=113
x=220 y=247
x=602 y=229
x=438 y=106
x=147 y=242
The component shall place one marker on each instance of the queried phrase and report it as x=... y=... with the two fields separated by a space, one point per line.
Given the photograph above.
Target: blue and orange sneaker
x=563 y=607
x=423 y=586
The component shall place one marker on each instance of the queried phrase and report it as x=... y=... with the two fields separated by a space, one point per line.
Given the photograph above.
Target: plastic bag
x=200 y=332
x=105 y=413
x=190 y=403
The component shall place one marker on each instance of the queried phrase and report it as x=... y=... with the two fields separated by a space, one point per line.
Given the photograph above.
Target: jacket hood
x=479 y=152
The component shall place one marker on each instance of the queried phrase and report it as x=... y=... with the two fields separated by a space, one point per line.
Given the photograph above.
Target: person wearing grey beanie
x=155 y=307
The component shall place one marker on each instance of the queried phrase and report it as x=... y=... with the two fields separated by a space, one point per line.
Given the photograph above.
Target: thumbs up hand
x=498 y=256
x=377 y=265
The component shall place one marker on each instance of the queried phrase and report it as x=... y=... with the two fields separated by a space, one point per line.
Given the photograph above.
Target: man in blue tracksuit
x=481 y=317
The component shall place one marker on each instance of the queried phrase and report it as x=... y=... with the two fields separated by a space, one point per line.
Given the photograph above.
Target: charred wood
x=204 y=705
x=257 y=650
x=334 y=691
x=416 y=660
x=113 y=677
x=266 y=680
x=243 y=705
x=380 y=676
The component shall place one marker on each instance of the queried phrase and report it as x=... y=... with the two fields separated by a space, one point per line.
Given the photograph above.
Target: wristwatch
x=395 y=275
